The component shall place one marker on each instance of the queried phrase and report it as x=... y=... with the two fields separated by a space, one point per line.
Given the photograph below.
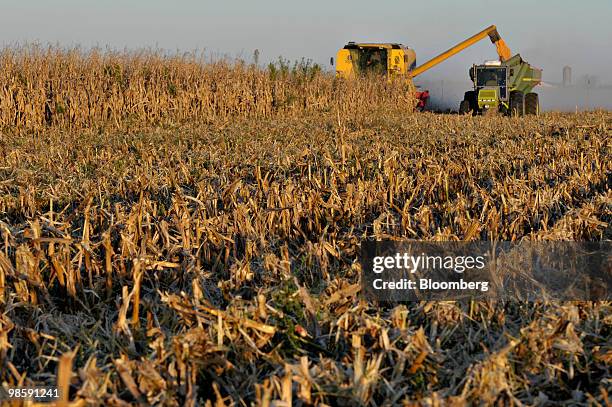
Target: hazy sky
x=548 y=33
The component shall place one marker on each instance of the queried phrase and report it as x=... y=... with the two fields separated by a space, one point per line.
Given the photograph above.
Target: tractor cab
x=490 y=85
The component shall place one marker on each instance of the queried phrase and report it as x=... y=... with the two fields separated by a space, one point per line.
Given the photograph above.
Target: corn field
x=199 y=246
x=43 y=87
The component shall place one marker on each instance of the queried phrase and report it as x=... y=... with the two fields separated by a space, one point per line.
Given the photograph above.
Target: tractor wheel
x=470 y=96
x=464 y=107
x=532 y=104
x=517 y=104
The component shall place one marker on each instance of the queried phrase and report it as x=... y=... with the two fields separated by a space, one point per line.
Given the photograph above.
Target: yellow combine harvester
x=390 y=59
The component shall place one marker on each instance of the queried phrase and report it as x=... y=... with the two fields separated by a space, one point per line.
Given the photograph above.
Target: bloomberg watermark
x=527 y=270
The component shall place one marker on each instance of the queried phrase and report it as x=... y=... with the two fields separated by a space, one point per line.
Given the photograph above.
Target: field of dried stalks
x=214 y=260
x=41 y=87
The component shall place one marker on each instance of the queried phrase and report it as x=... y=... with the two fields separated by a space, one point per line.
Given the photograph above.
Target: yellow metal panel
x=373 y=45
x=344 y=64
x=487 y=98
x=487 y=93
x=395 y=62
x=410 y=58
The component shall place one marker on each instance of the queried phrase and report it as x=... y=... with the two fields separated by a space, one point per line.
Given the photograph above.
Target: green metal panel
x=523 y=77
x=488 y=98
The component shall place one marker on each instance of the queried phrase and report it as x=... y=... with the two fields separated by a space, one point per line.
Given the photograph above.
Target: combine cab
x=389 y=59
x=503 y=86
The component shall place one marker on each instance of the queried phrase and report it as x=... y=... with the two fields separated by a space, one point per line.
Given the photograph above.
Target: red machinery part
x=422 y=97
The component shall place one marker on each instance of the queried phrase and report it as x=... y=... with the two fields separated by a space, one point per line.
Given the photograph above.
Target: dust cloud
x=445 y=95
x=587 y=92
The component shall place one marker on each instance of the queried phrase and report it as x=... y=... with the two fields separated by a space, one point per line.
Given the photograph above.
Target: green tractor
x=503 y=86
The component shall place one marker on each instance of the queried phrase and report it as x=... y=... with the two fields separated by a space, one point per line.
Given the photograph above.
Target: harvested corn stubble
x=163 y=259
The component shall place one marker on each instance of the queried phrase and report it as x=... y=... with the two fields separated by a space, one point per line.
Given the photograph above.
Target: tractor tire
x=532 y=104
x=517 y=104
x=471 y=97
x=464 y=107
